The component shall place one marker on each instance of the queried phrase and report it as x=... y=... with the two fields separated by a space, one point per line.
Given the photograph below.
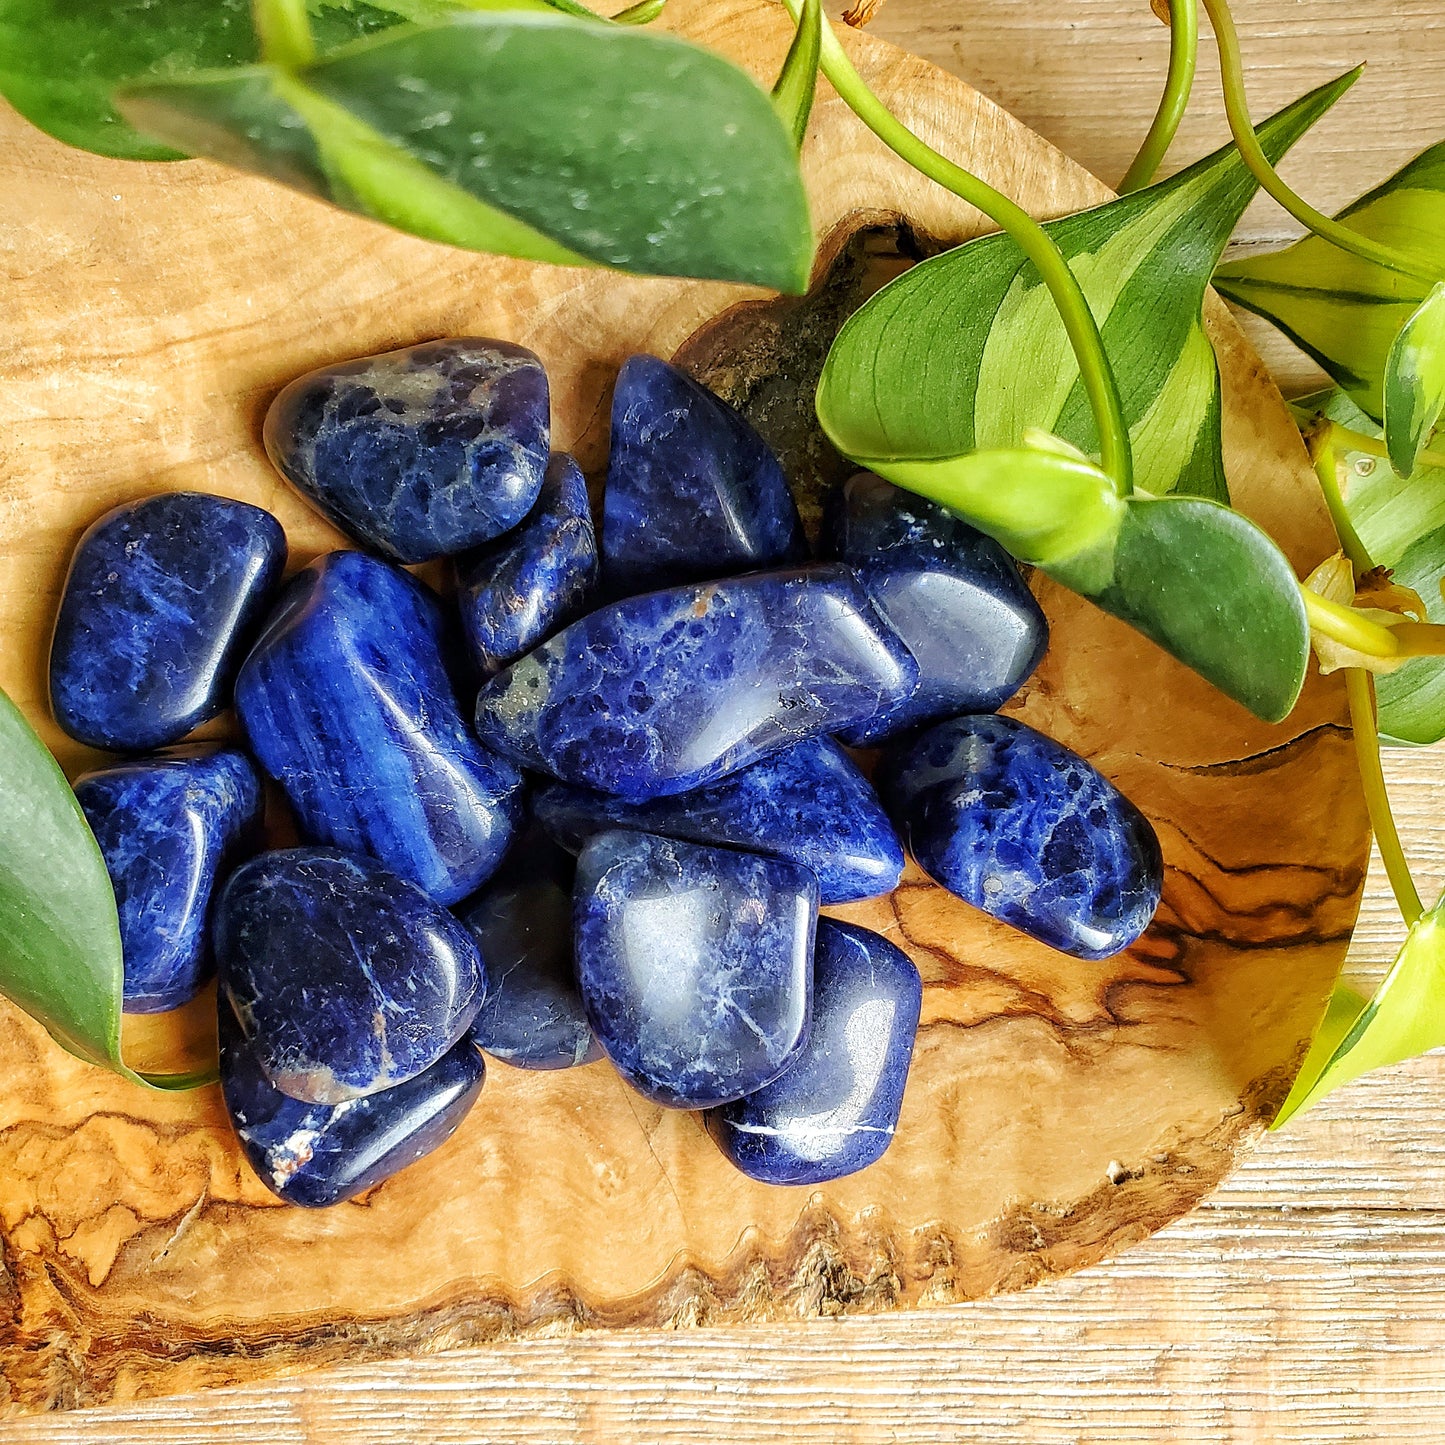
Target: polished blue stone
x=695 y=964
x=320 y=1154
x=347 y=703
x=807 y=803
x=692 y=490
x=835 y=1109
x=517 y=591
x=658 y=694
x=1026 y=830
x=954 y=596
x=166 y=826
x=421 y=452
x=522 y=921
x=345 y=978
x=161 y=596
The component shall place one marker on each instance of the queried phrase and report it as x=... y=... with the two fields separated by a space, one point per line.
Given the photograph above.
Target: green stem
x=1231 y=71
x=284 y=29
x=1382 y=820
x=1115 y=453
x=1322 y=452
x=1183 y=59
x=1360 y=442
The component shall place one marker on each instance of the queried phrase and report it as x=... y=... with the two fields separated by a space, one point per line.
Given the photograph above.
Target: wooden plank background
x=1305 y=1301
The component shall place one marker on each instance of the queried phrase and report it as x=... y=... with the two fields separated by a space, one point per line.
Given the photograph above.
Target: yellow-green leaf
x=1415 y=382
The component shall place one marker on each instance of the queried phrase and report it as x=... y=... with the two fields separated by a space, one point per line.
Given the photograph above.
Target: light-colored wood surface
x=1302 y=1301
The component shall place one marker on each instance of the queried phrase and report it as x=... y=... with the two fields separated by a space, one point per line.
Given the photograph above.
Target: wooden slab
x=1057 y=1111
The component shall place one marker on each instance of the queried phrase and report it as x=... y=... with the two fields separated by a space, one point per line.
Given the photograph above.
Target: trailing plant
x=646 y=153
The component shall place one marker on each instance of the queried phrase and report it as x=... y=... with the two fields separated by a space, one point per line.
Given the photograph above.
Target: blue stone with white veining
x=518 y=590
x=808 y=803
x=692 y=490
x=953 y=595
x=1016 y=824
x=657 y=694
x=522 y=921
x=316 y=1155
x=833 y=1112
x=345 y=978
x=695 y=964
x=160 y=597
x=347 y=703
x=421 y=452
x=166 y=826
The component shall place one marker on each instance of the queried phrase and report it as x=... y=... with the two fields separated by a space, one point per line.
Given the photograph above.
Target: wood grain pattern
x=1056 y=1113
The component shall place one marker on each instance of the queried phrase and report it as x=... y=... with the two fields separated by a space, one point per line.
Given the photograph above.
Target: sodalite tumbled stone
x=834 y=1110
x=692 y=490
x=1016 y=824
x=347 y=703
x=320 y=1154
x=657 y=694
x=421 y=452
x=807 y=803
x=160 y=596
x=954 y=596
x=166 y=826
x=345 y=978
x=520 y=589
x=695 y=964
x=522 y=921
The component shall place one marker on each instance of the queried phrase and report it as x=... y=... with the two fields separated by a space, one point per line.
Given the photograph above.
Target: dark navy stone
x=522 y=921
x=835 y=1109
x=319 y=1154
x=692 y=490
x=954 y=596
x=517 y=591
x=345 y=978
x=1026 y=830
x=421 y=452
x=695 y=964
x=658 y=694
x=166 y=826
x=347 y=703
x=160 y=597
x=807 y=803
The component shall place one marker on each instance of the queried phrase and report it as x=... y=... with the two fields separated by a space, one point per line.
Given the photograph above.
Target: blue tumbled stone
x=954 y=596
x=421 y=452
x=807 y=803
x=692 y=490
x=347 y=703
x=695 y=964
x=166 y=826
x=834 y=1110
x=522 y=921
x=1017 y=825
x=345 y=978
x=517 y=591
x=320 y=1154
x=160 y=596
x=657 y=694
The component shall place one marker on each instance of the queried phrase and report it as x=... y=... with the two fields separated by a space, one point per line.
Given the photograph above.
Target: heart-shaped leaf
x=1343 y=310
x=1415 y=382
x=60 y=955
x=530 y=133
x=966 y=351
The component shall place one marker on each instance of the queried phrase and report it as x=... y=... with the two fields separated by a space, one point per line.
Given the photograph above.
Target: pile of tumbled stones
x=624 y=853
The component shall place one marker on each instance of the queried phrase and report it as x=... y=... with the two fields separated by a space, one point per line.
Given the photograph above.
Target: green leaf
x=966 y=351
x=1342 y=310
x=1415 y=382
x=1406 y=1017
x=60 y=956
x=798 y=80
x=61 y=59
x=639 y=150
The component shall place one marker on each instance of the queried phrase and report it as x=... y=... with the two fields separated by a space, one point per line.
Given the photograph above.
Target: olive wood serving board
x=1057 y=1111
